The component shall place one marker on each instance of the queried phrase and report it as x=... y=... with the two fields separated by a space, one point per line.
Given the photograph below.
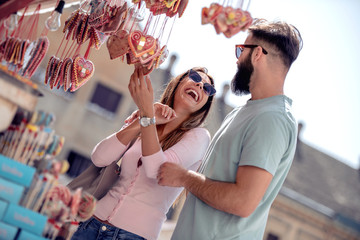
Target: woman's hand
x=163 y=114
x=142 y=92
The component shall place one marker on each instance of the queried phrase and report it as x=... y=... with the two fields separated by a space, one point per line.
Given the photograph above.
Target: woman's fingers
x=132 y=117
x=148 y=83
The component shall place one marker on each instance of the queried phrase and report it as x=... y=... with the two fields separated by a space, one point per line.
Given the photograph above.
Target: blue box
x=10 y=192
x=25 y=235
x=3 y=207
x=7 y=232
x=16 y=171
x=25 y=219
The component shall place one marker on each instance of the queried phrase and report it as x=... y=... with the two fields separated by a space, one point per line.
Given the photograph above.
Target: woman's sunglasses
x=208 y=88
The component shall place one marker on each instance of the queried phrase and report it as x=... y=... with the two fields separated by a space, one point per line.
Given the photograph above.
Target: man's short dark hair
x=283 y=36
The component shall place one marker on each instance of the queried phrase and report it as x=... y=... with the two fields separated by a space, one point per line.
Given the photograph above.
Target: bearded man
x=251 y=153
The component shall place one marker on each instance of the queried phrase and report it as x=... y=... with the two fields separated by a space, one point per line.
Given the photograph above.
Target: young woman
x=169 y=131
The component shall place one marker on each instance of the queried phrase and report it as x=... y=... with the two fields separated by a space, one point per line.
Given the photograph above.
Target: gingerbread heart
x=130 y=58
x=98 y=15
x=140 y=43
x=57 y=67
x=220 y=23
x=115 y=22
x=68 y=65
x=214 y=11
x=145 y=69
x=49 y=70
x=81 y=73
x=182 y=6
x=147 y=57
x=118 y=45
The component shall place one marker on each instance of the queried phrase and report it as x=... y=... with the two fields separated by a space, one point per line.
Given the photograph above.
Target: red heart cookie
x=81 y=73
x=147 y=57
x=140 y=43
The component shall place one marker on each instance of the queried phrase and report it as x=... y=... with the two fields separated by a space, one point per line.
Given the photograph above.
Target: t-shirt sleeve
x=188 y=152
x=265 y=143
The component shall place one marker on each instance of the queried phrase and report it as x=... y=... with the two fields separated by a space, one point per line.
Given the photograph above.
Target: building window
x=105 y=101
x=272 y=236
x=78 y=163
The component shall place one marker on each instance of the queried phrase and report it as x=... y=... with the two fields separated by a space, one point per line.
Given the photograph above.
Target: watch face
x=144 y=121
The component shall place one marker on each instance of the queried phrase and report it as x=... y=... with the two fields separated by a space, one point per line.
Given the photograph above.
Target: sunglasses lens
x=238 y=52
x=194 y=76
x=209 y=90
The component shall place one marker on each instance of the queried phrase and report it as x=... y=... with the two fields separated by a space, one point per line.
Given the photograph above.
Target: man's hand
x=172 y=175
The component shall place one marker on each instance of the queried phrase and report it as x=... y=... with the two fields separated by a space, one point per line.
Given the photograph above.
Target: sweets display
x=226 y=19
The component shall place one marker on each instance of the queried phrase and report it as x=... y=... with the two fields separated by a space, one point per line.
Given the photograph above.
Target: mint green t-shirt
x=263 y=134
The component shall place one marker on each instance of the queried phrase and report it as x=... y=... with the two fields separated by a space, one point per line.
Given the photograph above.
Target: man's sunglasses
x=240 y=48
x=208 y=88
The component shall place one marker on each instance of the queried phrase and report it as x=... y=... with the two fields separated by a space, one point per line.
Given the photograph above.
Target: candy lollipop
x=59 y=193
x=86 y=207
x=75 y=201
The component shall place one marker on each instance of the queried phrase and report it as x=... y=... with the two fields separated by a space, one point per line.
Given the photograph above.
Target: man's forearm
x=223 y=196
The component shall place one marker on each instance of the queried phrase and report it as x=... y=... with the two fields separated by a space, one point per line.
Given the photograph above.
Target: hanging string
x=171 y=29
x=129 y=17
x=148 y=23
x=155 y=25
x=162 y=29
x=34 y=19
x=69 y=50
x=248 y=5
x=16 y=31
x=56 y=54
x=138 y=11
x=87 y=53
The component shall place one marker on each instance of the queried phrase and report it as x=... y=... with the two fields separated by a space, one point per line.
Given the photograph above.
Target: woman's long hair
x=195 y=119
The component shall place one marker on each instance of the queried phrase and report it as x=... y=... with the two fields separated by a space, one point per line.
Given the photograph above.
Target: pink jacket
x=137 y=203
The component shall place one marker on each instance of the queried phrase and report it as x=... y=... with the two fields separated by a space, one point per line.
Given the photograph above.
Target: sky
x=324 y=82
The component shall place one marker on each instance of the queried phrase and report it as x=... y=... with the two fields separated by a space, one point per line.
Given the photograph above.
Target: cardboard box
x=7 y=232
x=16 y=171
x=25 y=235
x=10 y=192
x=3 y=207
x=25 y=219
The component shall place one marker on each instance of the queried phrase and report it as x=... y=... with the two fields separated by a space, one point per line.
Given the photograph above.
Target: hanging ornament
x=22 y=49
x=227 y=17
x=68 y=68
x=11 y=22
x=53 y=22
x=145 y=48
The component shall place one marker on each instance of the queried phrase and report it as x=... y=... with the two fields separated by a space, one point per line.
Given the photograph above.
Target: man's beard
x=241 y=80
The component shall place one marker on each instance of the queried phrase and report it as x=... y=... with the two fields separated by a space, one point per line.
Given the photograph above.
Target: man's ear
x=257 y=52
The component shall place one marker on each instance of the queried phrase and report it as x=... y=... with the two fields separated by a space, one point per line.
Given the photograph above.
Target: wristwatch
x=146 y=121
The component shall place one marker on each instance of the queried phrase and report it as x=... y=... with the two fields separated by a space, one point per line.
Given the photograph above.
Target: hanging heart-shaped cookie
x=140 y=43
x=130 y=58
x=147 y=57
x=57 y=67
x=82 y=72
x=145 y=69
x=68 y=65
x=182 y=6
x=114 y=22
x=49 y=69
x=118 y=45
